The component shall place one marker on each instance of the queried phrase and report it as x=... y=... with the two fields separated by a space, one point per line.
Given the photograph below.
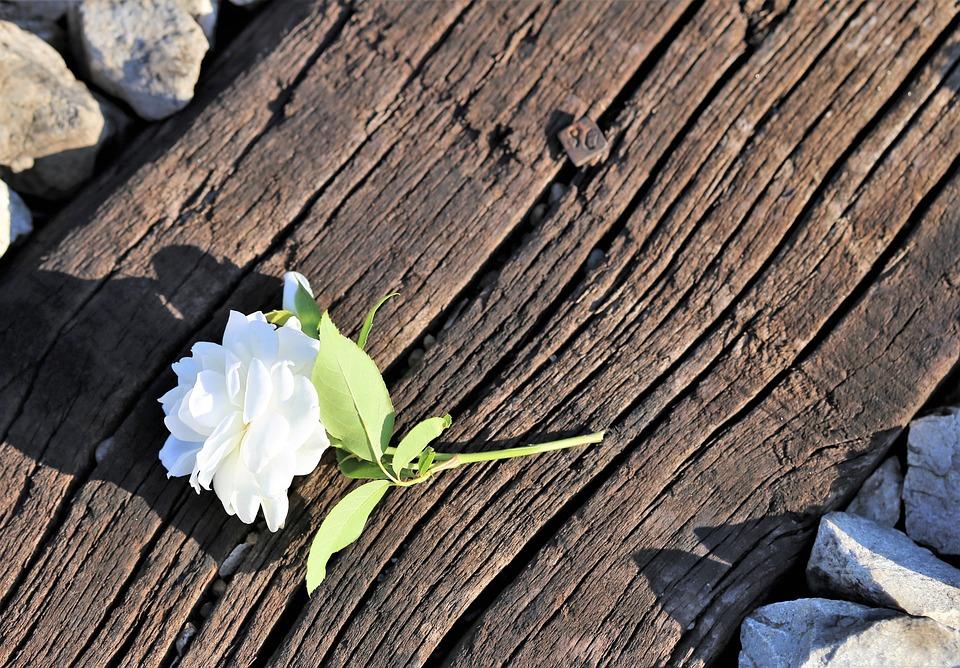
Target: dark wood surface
x=779 y=292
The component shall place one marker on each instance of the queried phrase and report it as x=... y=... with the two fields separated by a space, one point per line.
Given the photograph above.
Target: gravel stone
x=233 y=560
x=931 y=488
x=857 y=558
x=817 y=632
x=879 y=498
x=184 y=638
x=15 y=218
x=146 y=52
x=50 y=138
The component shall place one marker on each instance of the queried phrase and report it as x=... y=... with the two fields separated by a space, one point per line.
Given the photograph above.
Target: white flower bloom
x=290 y=281
x=244 y=416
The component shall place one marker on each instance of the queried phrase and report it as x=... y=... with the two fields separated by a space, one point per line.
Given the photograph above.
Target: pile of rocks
x=907 y=600
x=61 y=60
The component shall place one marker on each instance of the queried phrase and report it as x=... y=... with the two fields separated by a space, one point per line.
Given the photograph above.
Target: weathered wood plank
x=640 y=332
x=494 y=174
x=699 y=555
x=128 y=315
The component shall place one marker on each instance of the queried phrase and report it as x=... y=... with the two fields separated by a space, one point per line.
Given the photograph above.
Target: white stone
x=103 y=450
x=146 y=52
x=879 y=498
x=857 y=558
x=557 y=191
x=50 y=137
x=219 y=586
x=184 y=638
x=931 y=488
x=817 y=632
x=15 y=218
x=233 y=560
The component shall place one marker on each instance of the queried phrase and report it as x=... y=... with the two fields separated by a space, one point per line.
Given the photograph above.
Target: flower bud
x=291 y=280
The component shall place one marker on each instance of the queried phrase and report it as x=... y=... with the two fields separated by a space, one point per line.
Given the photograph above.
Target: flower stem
x=522 y=451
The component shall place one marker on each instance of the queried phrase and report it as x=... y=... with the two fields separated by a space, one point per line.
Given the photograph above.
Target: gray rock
x=15 y=218
x=48 y=31
x=185 y=636
x=219 y=586
x=146 y=52
x=595 y=259
x=819 y=632
x=104 y=449
x=40 y=10
x=557 y=191
x=50 y=138
x=931 y=488
x=233 y=560
x=879 y=498
x=859 y=559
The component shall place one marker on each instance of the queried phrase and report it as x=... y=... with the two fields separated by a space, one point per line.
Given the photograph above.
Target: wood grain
x=774 y=302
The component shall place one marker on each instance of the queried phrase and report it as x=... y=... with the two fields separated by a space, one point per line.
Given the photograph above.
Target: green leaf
x=278 y=318
x=417 y=439
x=358 y=469
x=342 y=526
x=368 y=321
x=307 y=311
x=355 y=405
x=426 y=460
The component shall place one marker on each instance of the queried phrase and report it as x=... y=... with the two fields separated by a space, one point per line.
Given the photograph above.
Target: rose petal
x=283 y=380
x=308 y=455
x=170 y=398
x=276 y=478
x=177 y=427
x=265 y=438
x=247 y=503
x=258 y=391
x=298 y=348
x=231 y=478
x=275 y=510
x=224 y=440
x=178 y=457
x=186 y=369
x=291 y=281
x=234 y=379
x=303 y=411
x=208 y=401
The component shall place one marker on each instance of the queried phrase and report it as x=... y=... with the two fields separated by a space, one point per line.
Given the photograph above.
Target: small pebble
x=252 y=538
x=416 y=358
x=429 y=341
x=557 y=191
x=233 y=560
x=595 y=258
x=186 y=635
x=219 y=586
x=103 y=450
x=206 y=609
x=537 y=214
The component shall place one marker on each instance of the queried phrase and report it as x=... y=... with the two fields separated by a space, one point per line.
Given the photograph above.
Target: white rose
x=244 y=416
